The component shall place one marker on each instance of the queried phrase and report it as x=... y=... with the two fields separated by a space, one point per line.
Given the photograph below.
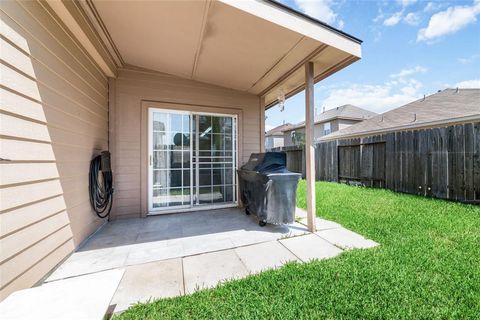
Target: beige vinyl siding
x=53 y=119
x=134 y=86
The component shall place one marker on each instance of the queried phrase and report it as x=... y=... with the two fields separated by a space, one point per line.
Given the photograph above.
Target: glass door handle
x=150 y=160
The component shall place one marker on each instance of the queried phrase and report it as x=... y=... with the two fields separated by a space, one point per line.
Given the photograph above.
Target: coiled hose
x=101 y=185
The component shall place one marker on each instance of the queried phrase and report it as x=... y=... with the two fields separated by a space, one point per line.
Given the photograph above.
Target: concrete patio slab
x=310 y=247
x=87 y=262
x=321 y=224
x=204 y=243
x=264 y=256
x=149 y=281
x=346 y=239
x=158 y=235
x=149 y=252
x=209 y=269
x=171 y=255
x=128 y=242
x=84 y=297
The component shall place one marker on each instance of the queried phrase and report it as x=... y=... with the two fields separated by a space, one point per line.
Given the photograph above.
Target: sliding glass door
x=170 y=159
x=214 y=160
x=192 y=160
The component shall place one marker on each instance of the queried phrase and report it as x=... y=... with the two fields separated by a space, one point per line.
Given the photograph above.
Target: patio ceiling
x=258 y=47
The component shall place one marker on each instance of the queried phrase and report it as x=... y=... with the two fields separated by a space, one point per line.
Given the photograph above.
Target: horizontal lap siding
x=133 y=86
x=53 y=119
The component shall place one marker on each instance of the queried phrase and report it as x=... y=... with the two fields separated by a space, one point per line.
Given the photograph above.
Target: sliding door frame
x=148 y=108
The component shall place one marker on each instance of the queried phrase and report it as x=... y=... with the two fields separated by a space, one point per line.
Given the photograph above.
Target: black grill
x=268 y=189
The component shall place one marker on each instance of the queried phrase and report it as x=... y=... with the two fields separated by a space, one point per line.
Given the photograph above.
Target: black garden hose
x=101 y=185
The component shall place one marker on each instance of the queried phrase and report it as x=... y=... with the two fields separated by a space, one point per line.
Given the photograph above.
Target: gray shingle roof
x=278 y=129
x=442 y=106
x=346 y=111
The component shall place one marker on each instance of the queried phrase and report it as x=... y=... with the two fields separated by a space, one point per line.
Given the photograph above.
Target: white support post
x=310 y=146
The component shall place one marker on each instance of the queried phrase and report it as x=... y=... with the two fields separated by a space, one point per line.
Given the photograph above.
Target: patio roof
x=258 y=47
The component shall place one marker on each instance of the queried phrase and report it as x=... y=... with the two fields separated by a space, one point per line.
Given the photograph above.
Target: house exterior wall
x=274 y=141
x=277 y=142
x=287 y=138
x=134 y=91
x=319 y=129
x=54 y=118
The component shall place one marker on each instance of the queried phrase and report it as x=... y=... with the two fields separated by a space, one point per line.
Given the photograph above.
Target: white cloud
x=268 y=127
x=432 y=6
x=412 y=19
x=408 y=72
x=340 y=24
x=380 y=16
x=449 y=21
x=394 y=19
x=468 y=84
x=470 y=59
x=405 y=3
x=377 y=98
x=320 y=9
x=400 y=90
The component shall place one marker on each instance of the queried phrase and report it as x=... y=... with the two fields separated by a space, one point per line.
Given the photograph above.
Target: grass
x=427 y=267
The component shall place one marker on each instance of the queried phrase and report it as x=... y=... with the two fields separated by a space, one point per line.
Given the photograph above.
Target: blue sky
x=410 y=48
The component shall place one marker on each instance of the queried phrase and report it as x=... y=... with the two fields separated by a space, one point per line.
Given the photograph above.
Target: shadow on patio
x=127 y=242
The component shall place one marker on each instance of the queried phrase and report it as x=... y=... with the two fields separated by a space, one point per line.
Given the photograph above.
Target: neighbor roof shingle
x=279 y=129
x=442 y=106
x=346 y=111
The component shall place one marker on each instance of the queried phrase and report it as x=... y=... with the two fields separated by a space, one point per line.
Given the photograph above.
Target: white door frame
x=193 y=206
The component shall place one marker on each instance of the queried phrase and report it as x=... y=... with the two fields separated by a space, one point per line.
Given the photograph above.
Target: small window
x=327 y=129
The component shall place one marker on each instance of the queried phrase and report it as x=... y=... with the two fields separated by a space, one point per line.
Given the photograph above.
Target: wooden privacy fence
x=435 y=162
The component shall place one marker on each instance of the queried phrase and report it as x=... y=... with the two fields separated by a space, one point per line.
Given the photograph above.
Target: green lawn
x=427 y=267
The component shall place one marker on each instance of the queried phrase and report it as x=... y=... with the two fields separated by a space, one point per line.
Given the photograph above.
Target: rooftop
x=346 y=111
x=442 y=107
x=263 y=43
x=278 y=129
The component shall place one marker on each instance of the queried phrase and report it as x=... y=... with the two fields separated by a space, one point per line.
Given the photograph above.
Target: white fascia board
x=288 y=20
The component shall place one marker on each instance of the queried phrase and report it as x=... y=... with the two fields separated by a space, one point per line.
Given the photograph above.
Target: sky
x=410 y=48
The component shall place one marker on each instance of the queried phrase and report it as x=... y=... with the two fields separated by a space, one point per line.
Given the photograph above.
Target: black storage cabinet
x=268 y=189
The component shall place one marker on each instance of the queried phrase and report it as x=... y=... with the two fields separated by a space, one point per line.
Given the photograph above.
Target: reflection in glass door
x=192 y=160
x=214 y=159
x=170 y=159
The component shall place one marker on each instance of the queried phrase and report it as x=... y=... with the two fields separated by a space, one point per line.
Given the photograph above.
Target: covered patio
x=176 y=91
x=134 y=241
x=170 y=255
x=213 y=64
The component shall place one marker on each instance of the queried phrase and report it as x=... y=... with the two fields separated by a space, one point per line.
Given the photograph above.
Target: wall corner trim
x=69 y=13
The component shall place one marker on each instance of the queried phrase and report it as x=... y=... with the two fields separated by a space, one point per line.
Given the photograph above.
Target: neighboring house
x=274 y=137
x=162 y=85
x=440 y=109
x=427 y=147
x=327 y=122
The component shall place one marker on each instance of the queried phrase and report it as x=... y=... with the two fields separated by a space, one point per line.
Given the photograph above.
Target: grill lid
x=267 y=162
